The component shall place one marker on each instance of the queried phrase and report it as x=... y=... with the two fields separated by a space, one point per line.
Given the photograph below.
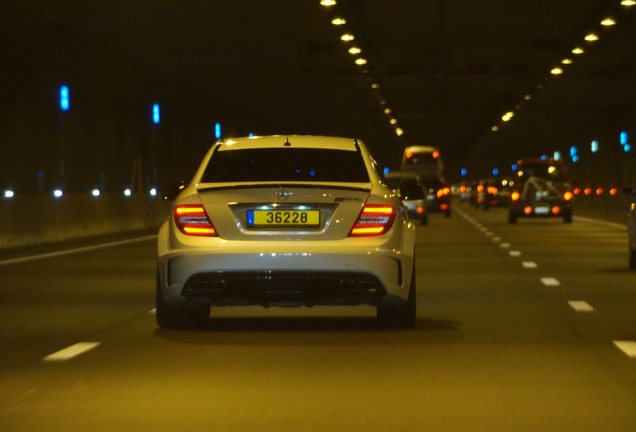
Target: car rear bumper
x=284 y=274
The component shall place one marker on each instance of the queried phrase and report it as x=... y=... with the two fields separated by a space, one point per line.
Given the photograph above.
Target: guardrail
x=43 y=218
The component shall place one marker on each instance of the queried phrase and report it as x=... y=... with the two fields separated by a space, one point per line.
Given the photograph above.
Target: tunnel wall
x=36 y=219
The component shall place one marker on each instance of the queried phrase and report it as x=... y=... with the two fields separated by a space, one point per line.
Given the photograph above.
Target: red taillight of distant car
x=193 y=220
x=373 y=220
x=443 y=192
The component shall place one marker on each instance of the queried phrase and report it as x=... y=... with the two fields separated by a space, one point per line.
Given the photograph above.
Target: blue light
x=495 y=171
x=156 y=115
x=464 y=172
x=514 y=167
x=65 y=98
x=594 y=146
x=627 y=148
x=574 y=154
x=624 y=139
x=557 y=155
x=217 y=131
x=386 y=170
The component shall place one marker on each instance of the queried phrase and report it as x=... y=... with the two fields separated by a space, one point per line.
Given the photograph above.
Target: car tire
x=179 y=318
x=402 y=316
x=567 y=218
x=424 y=220
x=632 y=259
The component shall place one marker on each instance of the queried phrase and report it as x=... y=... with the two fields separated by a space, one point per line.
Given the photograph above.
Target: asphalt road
x=525 y=327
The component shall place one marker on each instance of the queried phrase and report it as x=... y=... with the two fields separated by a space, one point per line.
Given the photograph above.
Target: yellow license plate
x=283 y=218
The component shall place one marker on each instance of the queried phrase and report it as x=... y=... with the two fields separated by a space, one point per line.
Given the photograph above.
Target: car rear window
x=286 y=165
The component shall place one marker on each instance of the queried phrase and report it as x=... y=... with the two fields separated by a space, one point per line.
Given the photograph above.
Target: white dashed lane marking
x=628 y=347
x=514 y=253
x=71 y=352
x=580 y=306
x=549 y=281
x=529 y=265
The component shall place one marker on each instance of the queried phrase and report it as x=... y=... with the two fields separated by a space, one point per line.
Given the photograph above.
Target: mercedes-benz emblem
x=283 y=194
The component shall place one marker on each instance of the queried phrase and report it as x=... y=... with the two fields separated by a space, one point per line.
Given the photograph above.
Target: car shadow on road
x=309 y=330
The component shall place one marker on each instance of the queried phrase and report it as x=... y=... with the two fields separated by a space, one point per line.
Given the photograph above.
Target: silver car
x=286 y=221
x=631 y=227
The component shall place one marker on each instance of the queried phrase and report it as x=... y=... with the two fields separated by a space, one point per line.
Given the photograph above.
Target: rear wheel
x=567 y=218
x=180 y=317
x=404 y=315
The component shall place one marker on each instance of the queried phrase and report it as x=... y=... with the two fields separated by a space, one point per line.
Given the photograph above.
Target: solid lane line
x=73 y=251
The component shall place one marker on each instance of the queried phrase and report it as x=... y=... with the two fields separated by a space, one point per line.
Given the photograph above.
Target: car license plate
x=541 y=210
x=283 y=218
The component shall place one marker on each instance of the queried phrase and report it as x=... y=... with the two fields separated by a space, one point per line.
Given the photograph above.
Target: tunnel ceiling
x=447 y=70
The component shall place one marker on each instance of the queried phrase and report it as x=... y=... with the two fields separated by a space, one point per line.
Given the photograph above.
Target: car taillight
x=193 y=220
x=492 y=190
x=443 y=192
x=515 y=196
x=568 y=196
x=373 y=220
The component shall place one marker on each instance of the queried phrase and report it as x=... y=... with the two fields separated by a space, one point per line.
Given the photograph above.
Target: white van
x=424 y=160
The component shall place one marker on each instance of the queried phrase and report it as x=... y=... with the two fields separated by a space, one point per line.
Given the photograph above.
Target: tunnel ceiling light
x=566 y=61
x=338 y=21
x=578 y=50
x=9 y=193
x=354 y=50
x=399 y=131
x=327 y=3
x=608 y=22
x=508 y=116
x=556 y=71
x=361 y=61
x=591 y=37
x=628 y=2
x=347 y=37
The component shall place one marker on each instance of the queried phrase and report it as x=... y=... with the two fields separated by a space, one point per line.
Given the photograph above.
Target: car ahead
x=286 y=221
x=411 y=191
x=484 y=194
x=540 y=188
x=438 y=196
x=631 y=226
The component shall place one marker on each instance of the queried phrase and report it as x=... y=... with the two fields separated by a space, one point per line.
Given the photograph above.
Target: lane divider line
x=580 y=306
x=71 y=352
x=514 y=253
x=529 y=265
x=550 y=281
x=628 y=347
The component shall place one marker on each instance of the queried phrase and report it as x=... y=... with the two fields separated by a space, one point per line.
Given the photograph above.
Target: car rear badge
x=283 y=194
